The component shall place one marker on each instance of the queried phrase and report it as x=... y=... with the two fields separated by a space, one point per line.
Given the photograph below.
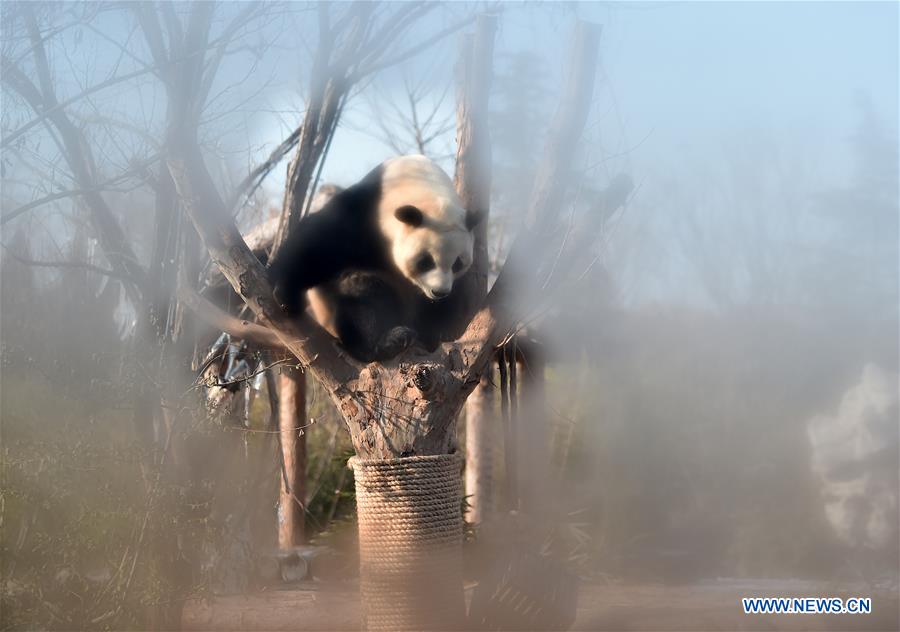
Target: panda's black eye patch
x=425 y=263
x=409 y=215
x=458 y=264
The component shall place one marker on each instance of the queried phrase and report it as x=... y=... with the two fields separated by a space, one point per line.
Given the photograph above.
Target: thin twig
x=78 y=265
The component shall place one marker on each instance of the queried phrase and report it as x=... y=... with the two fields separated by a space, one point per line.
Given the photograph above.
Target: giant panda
x=382 y=261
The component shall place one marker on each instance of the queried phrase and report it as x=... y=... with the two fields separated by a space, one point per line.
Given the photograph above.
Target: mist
x=692 y=394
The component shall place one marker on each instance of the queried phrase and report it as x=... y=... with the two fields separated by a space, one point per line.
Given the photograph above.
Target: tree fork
x=407 y=406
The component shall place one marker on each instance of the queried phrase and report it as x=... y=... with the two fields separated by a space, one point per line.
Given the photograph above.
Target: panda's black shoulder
x=360 y=199
x=348 y=223
x=343 y=234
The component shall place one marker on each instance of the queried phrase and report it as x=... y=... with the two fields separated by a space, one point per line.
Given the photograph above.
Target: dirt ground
x=707 y=606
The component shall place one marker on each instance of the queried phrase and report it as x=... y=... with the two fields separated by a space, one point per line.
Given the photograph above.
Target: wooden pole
x=474 y=159
x=291 y=419
x=509 y=438
x=480 y=450
x=473 y=182
x=533 y=445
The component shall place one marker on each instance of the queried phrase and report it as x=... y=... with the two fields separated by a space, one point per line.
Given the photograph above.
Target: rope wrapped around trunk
x=410 y=538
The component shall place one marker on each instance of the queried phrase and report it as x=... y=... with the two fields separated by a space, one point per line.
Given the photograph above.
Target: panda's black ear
x=409 y=215
x=473 y=218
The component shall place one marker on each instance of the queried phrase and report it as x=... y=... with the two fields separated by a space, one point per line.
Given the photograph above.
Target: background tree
x=185 y=50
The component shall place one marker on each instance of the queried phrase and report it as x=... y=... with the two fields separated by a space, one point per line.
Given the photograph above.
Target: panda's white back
x=416 y=180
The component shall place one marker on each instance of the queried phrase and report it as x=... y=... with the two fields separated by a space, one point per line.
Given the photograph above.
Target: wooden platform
x=713 y=605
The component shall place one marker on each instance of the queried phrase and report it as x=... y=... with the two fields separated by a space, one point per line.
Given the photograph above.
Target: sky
x=678 y=76
x=682 y=86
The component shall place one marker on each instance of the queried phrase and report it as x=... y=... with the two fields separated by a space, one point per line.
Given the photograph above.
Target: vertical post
x=510 y=443
x=291 y=419
x=473 y=183
x=480 y=450
x=473 y=155
x=533 y=440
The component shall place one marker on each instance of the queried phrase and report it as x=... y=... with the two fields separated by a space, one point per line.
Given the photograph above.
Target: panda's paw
x=396 y=341
x=289 y=301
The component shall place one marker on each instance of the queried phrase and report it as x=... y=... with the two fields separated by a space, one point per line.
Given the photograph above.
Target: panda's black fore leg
x=395 y=342
x=289 y=298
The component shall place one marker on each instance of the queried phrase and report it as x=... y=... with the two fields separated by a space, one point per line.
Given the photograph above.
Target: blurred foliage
x=688 y=455
x=102 y=531
x=93 y=539
x=73 y=504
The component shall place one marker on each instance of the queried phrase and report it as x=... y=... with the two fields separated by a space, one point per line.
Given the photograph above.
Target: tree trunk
x=291 y=419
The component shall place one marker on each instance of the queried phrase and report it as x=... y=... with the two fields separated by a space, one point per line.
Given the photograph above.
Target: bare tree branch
x=78 y=155
x=304 y=338
x=496 y=319
x=393 y=26
x=411 y=51
x=473 y=154
x=237 y=327
x=173 y=27
x=8 y=65
x=70 y=193
x=326 y=96
x=244 y=17
x=253 y=180
x=149 y=21
x=77 y=265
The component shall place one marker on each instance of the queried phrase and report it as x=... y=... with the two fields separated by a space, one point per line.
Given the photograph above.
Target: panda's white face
x=429 y=231
x=434 y=259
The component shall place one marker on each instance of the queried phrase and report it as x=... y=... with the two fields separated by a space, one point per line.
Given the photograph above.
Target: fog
x=720 y=405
